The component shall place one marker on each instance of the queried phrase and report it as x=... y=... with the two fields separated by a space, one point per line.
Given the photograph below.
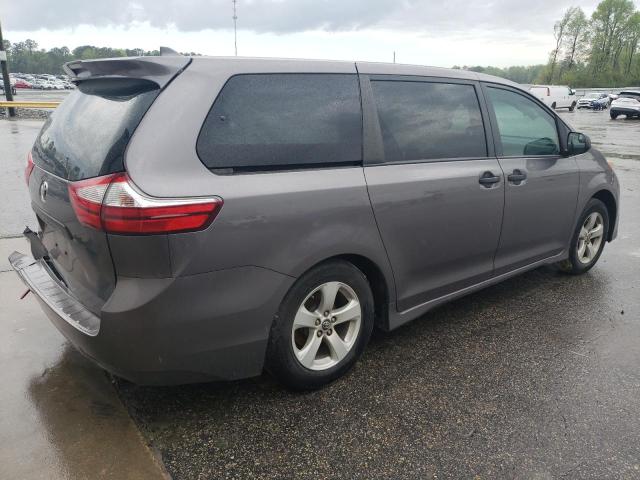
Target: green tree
x=559 y=31
x=576 y=37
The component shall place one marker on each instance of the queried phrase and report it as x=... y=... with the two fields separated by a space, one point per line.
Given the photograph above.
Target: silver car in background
x=209 y=218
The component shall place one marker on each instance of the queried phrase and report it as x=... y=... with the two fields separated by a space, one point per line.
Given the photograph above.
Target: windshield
x=87 y=134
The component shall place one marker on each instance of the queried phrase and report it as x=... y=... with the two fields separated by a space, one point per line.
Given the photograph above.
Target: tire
x=581 y=260
x=613 y=115
x=286 y=359
x=553 y=105
x=573 y=105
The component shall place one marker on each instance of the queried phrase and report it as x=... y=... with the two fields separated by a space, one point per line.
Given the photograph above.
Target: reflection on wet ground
x=16 y=139
x=617 y=138
x=60 y=415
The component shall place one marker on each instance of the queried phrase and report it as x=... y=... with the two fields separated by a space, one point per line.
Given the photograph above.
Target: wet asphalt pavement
x=538 y=377
x=60 y=417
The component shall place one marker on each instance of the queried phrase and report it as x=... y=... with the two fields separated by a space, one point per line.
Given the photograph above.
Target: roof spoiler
x=158 y=69
x=167 y=52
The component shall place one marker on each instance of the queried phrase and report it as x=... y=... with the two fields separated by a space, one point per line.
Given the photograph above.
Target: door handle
x=517 y=176
x=488 y=178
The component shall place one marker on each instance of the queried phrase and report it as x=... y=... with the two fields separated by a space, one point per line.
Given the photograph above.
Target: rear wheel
x=322 y=326
x=588 y=239
x=613 y=115
x=553 y=105
x=573 y=105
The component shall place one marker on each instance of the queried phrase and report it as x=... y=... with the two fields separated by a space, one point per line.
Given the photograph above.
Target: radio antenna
x=235 y=27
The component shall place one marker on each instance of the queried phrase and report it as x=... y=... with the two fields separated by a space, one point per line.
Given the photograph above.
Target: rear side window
x=86 y=136
x=525 y=128
x=427 y=120
x=281 y=121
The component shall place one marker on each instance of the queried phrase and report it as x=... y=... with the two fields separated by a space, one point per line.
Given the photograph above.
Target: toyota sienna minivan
x=210 y=218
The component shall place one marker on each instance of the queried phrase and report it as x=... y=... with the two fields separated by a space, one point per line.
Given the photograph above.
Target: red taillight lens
x=112 y=204
x=86 y=198
x=29 y=168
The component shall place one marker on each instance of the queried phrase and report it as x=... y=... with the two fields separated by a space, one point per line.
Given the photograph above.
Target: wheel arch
x=606 y=197
x=379 y=283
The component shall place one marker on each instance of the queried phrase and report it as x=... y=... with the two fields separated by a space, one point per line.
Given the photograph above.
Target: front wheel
x=613 y=115
x=588 y=239
x=573 y=105
x=322 y=326
x=553 y=105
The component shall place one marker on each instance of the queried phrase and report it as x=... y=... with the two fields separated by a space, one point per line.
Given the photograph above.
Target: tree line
x=26 y=57
x=596 y=51
x=601 y=51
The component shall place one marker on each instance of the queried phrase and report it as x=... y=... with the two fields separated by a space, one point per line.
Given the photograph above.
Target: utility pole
x=235 y=27
x=5 y=75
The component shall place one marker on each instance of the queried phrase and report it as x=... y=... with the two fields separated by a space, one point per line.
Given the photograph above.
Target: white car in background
x=591 y=97
x=627 y=103
x=555 y=96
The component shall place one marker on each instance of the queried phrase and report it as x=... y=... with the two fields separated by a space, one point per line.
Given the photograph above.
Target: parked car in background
x=593 y=98
x=627 y=103
x=555 y=96
x=22 y=84
x=295 y=205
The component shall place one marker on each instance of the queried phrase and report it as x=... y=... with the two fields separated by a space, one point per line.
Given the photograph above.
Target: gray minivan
x=209 y=218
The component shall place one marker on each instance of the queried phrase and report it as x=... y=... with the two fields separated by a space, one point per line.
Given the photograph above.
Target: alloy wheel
x=326 y=326
x=590 y=238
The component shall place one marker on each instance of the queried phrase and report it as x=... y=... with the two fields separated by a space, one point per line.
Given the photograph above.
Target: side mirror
x=572 y=91
x=577 y=143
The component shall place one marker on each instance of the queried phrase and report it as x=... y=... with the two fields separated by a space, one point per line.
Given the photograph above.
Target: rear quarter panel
x=286 y=221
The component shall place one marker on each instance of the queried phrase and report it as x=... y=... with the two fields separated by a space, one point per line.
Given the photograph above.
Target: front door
x=541 y=186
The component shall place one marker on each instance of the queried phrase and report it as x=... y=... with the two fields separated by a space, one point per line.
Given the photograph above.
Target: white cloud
x=496 y=32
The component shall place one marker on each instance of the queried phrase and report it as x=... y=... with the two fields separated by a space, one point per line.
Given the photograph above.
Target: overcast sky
x=442 y=33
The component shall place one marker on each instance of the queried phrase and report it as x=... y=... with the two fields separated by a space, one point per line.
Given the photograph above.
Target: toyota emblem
x=44 y=188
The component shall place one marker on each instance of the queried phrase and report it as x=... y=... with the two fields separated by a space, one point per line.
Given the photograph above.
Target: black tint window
x=525 y=128
x=86 y=136
x=424 y=120
x=283 y=121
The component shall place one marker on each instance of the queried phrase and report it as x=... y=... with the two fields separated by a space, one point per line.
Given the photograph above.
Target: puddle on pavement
x=61 y=417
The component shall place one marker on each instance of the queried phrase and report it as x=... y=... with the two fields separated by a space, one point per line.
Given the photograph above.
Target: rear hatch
x=86 y=137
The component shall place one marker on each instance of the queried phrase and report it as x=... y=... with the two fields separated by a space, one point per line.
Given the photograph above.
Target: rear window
x=428 y=120
x=86 y=136
x=283 y=121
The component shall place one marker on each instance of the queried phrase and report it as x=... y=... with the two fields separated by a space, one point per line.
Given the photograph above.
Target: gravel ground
x=31 y=113
x=534 y=378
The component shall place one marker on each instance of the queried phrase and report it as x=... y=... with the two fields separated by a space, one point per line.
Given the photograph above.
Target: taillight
x=29 y=168
x=112 y=204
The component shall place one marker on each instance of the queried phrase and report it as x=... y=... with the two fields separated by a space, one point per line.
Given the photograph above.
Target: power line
x=235 y=27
